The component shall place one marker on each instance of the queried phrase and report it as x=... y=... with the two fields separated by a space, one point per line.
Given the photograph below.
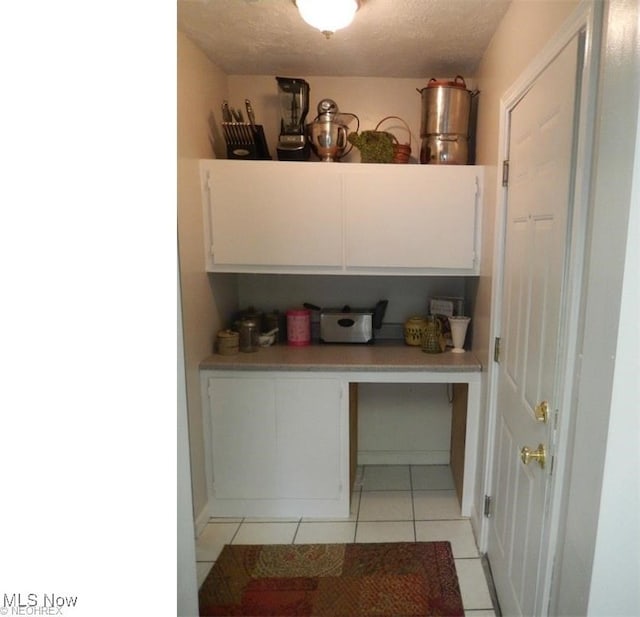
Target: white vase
x=458 y=332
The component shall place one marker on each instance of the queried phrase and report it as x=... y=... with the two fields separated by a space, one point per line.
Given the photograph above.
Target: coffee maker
x=293 y=96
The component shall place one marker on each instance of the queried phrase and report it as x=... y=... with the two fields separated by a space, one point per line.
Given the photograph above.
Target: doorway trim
x=586 y=20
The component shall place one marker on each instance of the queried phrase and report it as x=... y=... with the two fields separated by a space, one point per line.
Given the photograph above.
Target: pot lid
x=227 y=334
x=458 y=82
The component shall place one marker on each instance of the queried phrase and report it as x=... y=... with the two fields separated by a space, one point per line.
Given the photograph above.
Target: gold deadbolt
x=542 y=412
x=527 y=455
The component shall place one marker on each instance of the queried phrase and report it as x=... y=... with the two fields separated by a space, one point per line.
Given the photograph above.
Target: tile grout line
x=236 y=531
x=413 y=507
x=355 y=529
x=295 y=533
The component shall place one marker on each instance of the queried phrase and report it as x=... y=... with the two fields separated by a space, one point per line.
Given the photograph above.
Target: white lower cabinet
x=276 y=444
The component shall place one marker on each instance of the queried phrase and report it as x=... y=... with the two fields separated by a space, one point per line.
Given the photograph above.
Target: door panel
x=243 y=427
x=411 y=217
x=540 y=154
x=308 y=438
x=542 y=232
x=515 y=292
x=263 y=215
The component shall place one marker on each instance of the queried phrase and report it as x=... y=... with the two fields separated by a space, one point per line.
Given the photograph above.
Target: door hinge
x=496 y=350
x=487 y=506
x=505 y=172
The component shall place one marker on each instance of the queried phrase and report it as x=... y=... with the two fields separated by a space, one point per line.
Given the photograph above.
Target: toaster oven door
x=346 y=327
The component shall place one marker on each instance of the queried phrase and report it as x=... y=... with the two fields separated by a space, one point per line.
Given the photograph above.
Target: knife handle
x=226 y=113
x=250 y=114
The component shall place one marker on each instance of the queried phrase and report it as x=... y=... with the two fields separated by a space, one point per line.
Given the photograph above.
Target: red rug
x=408 y=579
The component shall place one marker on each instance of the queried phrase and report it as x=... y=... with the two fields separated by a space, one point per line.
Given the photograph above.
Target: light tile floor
x=398 y=503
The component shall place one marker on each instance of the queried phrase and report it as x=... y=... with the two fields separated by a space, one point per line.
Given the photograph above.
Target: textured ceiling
x=388 y=38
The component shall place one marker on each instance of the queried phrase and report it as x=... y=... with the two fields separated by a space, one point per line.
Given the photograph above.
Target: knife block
x=245 y=141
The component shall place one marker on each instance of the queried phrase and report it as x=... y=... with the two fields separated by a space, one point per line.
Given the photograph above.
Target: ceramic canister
x=415 y=329
x=299 y=327
x=227 y=342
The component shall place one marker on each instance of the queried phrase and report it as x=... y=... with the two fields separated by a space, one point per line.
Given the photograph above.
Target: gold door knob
x=542 y=411
x=527 y=455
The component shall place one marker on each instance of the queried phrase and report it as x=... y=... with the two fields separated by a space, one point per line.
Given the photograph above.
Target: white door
x=538 y=210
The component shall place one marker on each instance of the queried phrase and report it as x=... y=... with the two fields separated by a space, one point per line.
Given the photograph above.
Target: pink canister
x=299 y=327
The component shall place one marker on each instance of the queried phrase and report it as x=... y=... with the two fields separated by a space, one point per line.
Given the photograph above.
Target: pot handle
x=378 y=313
x=461 y=78
x=346 y=133
x=455 y=81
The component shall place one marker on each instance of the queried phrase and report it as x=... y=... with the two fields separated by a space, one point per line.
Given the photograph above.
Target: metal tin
x=299 y=327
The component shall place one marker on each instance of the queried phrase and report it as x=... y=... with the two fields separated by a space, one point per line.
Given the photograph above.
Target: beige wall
x=205 y=304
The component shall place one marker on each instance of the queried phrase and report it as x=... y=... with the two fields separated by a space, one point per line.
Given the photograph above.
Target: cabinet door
x=277 y=439
x=243 y=437
x=413 y=216
x=310 y=455
x=273 y=214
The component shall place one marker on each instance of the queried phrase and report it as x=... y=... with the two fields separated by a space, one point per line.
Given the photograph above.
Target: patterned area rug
x=411 y=579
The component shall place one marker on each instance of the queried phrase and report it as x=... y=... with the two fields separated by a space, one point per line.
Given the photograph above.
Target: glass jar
x=432 y=342
x=249 y=335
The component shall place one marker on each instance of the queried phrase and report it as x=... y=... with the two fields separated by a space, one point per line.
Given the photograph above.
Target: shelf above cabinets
x=349 y=218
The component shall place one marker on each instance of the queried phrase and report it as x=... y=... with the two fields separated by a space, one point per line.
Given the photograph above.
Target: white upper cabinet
x=271 y=216
x=411 y=217
x=341 y=218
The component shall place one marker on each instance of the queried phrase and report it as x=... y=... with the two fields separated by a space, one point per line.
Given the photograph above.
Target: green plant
x=374 y=146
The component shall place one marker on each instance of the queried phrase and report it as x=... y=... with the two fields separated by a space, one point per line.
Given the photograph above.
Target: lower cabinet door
x=243 y=437
x=308 y=435
x=276 y=439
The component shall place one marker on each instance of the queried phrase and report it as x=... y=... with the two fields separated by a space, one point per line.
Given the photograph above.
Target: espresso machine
x=293 y=96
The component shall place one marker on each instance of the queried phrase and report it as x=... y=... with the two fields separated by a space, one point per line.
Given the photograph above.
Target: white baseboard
x=201 y=520
x=403 y=457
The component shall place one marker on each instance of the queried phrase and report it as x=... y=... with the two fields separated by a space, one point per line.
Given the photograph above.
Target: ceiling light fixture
x=327 y=15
